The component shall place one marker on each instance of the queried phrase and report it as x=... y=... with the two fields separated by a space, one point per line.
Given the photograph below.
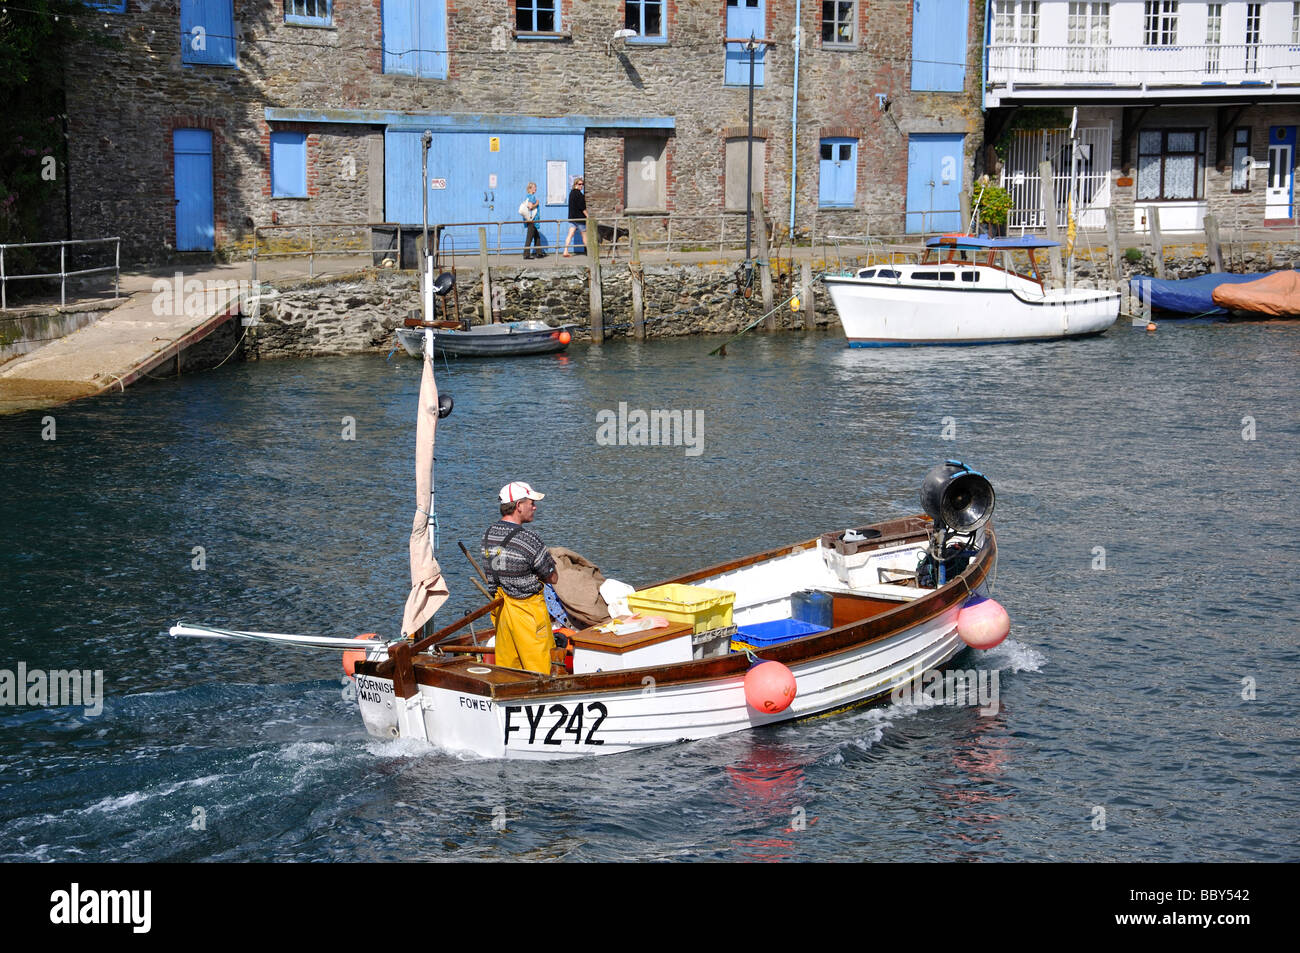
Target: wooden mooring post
x=1212 y=246
x=1112 y=244
x=637 y=277
x=807 y=299
x=593 y=280
x=1157 y=240
x=1047 y=187
x=764 y=263
x=487 y=276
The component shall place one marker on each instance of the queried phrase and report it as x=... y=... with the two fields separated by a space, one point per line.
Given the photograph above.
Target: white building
x=1184 y=107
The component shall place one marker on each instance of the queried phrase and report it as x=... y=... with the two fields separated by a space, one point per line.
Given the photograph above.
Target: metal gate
x=1020 y=176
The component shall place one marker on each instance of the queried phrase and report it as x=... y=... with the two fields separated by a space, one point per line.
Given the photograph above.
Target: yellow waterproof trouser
x=524 y=638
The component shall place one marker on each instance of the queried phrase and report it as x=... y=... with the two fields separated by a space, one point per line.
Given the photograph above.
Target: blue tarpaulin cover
x=1191 y=296
x=984 y=241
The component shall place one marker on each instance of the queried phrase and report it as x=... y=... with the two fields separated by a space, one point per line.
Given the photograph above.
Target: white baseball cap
x=518 y=491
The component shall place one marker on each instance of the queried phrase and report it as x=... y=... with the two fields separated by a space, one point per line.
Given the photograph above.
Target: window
x=1252 y=37
x=1161 y=23
x=838 y=19
x=644 y=174
x=745 y=18
x=415 y=37
x=309 y=12
x=646 y=17
x=536 y=16
x=737 y=158
x=838 y=182
x=1241 y=159
x=1170 y=163
x=288 y=165
x=1015 y=24
x=1213 y=35
x=208 y=32
x=1295 y=24
x=1088 y=36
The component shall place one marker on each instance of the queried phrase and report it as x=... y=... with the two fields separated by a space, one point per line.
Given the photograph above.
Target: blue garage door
x=192 y=170
x=934 y=164
x=479 y=177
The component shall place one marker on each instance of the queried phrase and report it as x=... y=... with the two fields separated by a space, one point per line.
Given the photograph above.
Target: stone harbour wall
x=361 y=313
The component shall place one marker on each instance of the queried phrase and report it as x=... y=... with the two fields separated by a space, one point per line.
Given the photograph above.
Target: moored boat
x=491 y=340
x=1276 y=295
x=960 y=294
x=1188 y=297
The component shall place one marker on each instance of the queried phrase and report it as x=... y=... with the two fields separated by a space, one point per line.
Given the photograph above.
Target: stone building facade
x=204 y=118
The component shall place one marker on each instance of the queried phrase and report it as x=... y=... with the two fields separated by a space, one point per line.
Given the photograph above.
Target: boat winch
x=960 y=501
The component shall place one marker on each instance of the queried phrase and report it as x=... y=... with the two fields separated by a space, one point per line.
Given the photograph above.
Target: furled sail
x=428 y=590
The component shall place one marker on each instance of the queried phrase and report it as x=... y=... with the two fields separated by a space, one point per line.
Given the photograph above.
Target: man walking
x=519 y=564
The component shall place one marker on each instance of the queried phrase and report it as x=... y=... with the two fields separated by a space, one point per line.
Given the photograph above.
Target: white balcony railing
x=1165 y=66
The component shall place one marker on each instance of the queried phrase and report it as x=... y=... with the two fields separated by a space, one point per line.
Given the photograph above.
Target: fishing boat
x=509 y=339
x=965 y=291
x=845 y=618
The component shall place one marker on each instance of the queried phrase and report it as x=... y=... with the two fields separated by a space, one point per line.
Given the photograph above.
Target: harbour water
x=1147 y=696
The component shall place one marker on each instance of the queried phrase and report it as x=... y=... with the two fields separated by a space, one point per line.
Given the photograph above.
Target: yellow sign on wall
x=494 y=143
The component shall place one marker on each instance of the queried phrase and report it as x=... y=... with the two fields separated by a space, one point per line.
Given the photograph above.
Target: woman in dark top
x=577 y=216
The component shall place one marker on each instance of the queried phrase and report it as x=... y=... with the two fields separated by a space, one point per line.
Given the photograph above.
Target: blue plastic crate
x=760 y=635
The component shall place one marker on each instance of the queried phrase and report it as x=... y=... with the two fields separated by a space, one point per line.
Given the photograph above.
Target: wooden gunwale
x=430 y=670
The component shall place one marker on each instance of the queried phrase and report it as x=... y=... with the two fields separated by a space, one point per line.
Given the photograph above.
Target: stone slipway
x=119 y=349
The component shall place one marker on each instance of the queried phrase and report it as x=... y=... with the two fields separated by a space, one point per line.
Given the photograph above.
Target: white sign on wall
x=557 y=182
x=437 y=184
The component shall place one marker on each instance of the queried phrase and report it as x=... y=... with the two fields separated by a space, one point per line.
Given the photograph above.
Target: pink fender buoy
x=982 y=623
x=770 y=687
x=350 y=659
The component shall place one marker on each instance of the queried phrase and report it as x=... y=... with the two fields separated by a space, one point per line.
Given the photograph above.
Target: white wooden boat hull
x=876 y=313
x=645 y=709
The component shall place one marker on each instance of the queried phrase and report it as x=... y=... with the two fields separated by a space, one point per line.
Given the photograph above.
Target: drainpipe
x=794 y=112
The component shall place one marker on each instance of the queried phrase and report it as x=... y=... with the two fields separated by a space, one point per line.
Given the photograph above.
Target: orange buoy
x=565 y=337
x=770 y=687
x=982 y=623
x=1151 y=325
x=350 y=659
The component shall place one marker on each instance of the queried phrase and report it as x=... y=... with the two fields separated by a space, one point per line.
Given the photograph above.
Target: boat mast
x=426 y=261
x=1072 y=204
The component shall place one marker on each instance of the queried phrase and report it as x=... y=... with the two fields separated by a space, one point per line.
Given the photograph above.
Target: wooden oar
x=477 y=568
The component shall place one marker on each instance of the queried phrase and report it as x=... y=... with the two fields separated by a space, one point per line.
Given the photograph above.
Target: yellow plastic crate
x=700 y=606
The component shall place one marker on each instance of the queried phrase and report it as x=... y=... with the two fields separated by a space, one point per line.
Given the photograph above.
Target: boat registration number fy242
x=565 y=722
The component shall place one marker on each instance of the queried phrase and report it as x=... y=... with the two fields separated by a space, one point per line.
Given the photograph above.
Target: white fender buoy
x=982 y=623
x=770 y=687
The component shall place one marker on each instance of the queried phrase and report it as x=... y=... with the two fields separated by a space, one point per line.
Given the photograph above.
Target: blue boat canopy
x=985 y=242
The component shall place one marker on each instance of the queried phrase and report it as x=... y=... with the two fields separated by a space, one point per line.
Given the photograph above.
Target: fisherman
x=518 y=565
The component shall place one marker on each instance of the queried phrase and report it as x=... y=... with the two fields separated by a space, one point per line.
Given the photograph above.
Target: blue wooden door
x=745 y=18
x=934 y=165
x=838 y=173
x=415 y=37
x=192 y=169
x=478 y=177
x=939 y=45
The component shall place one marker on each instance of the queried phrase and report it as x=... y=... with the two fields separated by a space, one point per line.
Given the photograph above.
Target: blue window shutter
x=288 y=165
x=433 y=39
x=745 y=18
x=838 y=174
x=208 y=25
x=939 y=34
x=415 y=37
x=399 y=36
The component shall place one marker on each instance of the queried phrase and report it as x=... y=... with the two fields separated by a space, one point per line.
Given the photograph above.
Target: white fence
x=1079 y=65
x=1020 y=176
